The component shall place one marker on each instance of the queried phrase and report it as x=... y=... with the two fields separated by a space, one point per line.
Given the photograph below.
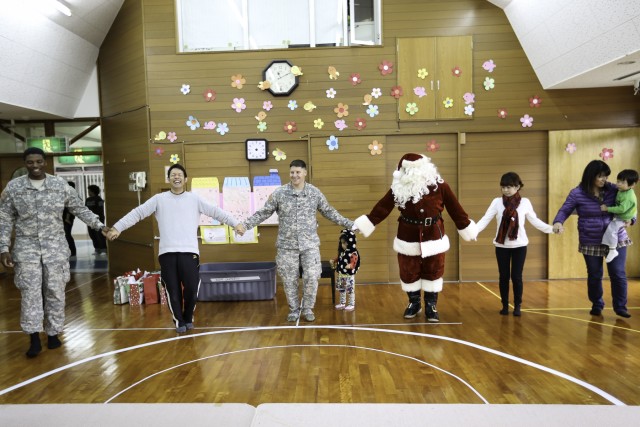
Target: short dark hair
x=591 y=172
x=94 y=189
x=629 y=175
x=298 y=164
x=511 y=179
x=177 y=166
x=32 y=150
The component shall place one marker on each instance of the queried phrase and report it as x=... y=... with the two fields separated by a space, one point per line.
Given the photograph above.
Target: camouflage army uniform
x=40 y=251
x=298 y=242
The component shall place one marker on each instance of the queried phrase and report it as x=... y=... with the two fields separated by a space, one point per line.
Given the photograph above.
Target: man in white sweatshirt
x=178 y=214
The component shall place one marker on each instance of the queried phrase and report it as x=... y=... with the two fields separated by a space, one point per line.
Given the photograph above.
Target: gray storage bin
x=237 y=281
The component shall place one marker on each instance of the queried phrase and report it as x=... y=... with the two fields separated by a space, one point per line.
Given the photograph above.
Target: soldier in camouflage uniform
x=298 y=243
x=34 y=203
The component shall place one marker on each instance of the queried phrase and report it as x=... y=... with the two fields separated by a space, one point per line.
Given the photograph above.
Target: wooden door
x=453 y=75
x=415 y=54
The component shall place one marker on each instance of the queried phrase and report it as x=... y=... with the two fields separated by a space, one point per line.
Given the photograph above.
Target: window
x=219 y=25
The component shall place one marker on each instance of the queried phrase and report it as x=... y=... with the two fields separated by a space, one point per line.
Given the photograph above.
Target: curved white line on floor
x=574 y=380
x=298 y=345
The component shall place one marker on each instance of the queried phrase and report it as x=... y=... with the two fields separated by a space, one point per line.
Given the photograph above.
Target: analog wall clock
x=256 y=149
x=282 y=81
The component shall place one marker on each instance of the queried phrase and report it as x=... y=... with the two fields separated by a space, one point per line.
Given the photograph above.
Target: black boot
x=516 y=310
x=53 y=342
x=414 y=306
x=35 y=347
x=430 y=301
x=505 y=309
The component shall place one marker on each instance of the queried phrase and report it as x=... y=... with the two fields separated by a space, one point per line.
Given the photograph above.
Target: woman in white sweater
x=511 y=240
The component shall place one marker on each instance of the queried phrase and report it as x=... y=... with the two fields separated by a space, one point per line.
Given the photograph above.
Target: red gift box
x=150 y=285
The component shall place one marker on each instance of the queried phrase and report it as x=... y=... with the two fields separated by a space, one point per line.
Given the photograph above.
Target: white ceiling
x=48 y=58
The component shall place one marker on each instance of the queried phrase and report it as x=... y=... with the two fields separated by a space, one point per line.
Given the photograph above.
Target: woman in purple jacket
x=586 y=199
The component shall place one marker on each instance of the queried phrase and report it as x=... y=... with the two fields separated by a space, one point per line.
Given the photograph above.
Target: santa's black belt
x=420 y=221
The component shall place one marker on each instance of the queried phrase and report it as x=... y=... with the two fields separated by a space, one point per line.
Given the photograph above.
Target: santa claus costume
x=420 y=194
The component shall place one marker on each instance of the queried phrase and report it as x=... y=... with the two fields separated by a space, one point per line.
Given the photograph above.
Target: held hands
x=332 y=263
x=558 y=228
x=604 y=208
x=112 y=234
x=105 y=231
x=240 y=229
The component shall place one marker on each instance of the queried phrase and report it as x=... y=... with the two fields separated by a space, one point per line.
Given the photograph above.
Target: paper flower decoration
x=489 y=83
x=340 y=125
x=267 y=105
x=361 y=123
x=489 y=65
x=422 y=73
x=412 y=108
x=502 y=113
x=527 y=121
x=367 y=99
x=185 y=89
x=174 y=158
x=159 y=151
x=448 y=102
x=279 y=154
x=262 y=126
x=456 y=71
x=433 y=146
x=571 y=148
x=333 y=73
x=171 y=136
x=606 y=154
x=332 y=143
x=385 y=67
x=469 y=98
x=261 y=116
x=237 y=81
x=342 y=110
x=160 y=136
x=420 y=91
x=318 y=123
x=331 y=93
x=376 y=92
x=372 y=110
x=238 y=104
x=468 y=110
x=209 y=95
x=210 y=125
x=375 y=148
x=309 y=106
x=292 y=105
x=535 y=101
x=222 y=128
x=355 y=79
x=396 y=92
x=193 y=123
x=290 y=127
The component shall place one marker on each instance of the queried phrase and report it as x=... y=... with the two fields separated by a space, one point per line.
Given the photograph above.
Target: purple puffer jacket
x=592 y=222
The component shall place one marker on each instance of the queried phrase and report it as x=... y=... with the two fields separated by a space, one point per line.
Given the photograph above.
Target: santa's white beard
x=412 y=182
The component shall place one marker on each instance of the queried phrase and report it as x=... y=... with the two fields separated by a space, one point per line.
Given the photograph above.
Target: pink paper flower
x=433 y=145
x=290 y=127
x=489 y=65
x=456 y=71
x=355 y=79
x=171 y=136
x=527 y=121
x=535 y=101
x=361 y=123
x=209 y=95
x=502 y=113
x=606 y=154
x=238 y=104
x=385 y=67
x=267 y=105
x=571 y=148
x=396 y=92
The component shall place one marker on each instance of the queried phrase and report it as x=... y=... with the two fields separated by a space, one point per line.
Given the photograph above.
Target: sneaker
x=293 y=316
x=189 y=326
x=181 y=329
x=623 y=313
x=432 y=313
x=350 y=307
x=308 y=315
x=412 y=310
x=611 y=255
x=340 y=306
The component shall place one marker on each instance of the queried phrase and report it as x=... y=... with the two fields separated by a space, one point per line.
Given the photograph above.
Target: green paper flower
x=412 y=108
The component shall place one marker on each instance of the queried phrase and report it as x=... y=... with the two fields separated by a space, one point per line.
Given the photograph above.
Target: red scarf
x=510 y=222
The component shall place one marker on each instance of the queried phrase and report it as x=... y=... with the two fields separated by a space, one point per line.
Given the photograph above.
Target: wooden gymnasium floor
x=245 y=352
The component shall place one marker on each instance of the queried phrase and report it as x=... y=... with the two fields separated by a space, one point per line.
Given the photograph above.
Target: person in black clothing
x=67 y=221
x=96 y=205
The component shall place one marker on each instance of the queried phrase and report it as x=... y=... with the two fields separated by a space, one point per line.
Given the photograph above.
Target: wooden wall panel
x=565 y=173
x=485 y=157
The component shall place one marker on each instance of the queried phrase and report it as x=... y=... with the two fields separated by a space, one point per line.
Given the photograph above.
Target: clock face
x=282 y=80
x=256 y=149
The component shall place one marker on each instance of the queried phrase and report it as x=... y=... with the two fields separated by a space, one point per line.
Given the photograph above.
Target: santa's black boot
x=430 y=301
x=414 y=306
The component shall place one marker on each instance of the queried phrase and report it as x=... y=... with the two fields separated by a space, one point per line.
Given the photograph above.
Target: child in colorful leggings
x=346 y=264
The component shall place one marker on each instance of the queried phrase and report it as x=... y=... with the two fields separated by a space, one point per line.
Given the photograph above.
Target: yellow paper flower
x=318 y=123
x=375 y=147
x=448 y=102
x=279 y=154
x=423 y=73
x=174 y=158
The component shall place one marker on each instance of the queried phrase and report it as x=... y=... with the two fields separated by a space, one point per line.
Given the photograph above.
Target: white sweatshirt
x=178 y=216
x=525 y=210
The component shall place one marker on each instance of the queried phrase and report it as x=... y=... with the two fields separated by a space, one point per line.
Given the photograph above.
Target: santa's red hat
x=410 y=160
